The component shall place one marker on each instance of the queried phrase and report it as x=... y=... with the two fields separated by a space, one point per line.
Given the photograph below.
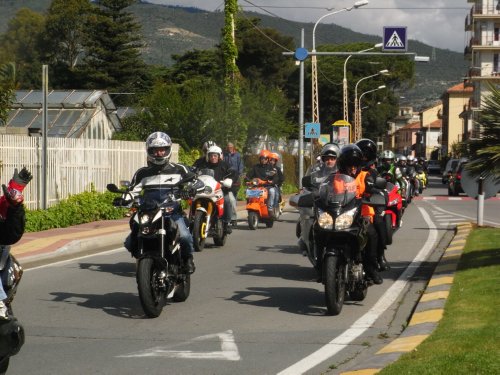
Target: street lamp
x=357 y=121
x=344 y=82
x=359 y=136
x=314 y=70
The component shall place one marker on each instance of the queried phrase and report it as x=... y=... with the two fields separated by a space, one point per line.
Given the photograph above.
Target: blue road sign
x=301 y=54
x=312 y=130
x=395 y=38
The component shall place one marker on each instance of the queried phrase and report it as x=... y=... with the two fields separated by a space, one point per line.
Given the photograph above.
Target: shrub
x=77 y=209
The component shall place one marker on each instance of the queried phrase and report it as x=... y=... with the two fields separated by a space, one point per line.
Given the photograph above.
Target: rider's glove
x=14 y=191
x=187 y=192
x=121 y=202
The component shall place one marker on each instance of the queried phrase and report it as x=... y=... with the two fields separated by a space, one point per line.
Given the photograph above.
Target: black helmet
x=369 y=149
x=330 y=149
x=350 y=155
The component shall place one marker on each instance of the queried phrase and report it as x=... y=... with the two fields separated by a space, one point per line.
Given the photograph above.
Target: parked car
x=455 y=179
x=450 y=166
x=434 y=167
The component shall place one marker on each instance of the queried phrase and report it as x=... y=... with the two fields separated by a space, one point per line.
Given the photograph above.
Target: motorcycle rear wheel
x=182 y=290
x=269 y=223
x=253 y=220
x=358 y=294
x=198 y=228
x=152 y=299
x=334 y=278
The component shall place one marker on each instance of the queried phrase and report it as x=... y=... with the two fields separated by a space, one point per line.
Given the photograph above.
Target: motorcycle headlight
x=345 y=220
x=325 y=220
x=144 y=219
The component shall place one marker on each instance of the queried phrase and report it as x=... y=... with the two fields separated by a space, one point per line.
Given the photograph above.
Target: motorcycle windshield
x=340 y=190
x=159 y=195
x=320 y=176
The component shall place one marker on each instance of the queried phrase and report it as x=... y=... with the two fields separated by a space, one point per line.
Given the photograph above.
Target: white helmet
x=387 y=154
x=158 y=140
x=207 y=145
x=214 y=150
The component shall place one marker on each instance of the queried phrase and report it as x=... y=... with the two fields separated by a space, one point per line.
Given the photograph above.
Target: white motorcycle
x=206 y=211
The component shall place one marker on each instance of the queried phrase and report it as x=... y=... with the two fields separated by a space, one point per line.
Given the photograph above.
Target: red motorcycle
x=393 y=211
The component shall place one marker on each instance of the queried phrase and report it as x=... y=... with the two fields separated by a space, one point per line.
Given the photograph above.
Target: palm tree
x=485 y=151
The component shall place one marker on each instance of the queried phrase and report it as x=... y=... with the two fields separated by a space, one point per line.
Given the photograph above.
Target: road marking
x=61 y=262
x=366 y=321
x=463 y=216
x=228 y=352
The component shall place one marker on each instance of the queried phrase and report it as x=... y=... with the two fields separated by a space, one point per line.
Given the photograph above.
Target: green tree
x=112 y=50
x=21 y=43
x=65 y=32
x=260 y=53
x=485 y=152
x=7 y=87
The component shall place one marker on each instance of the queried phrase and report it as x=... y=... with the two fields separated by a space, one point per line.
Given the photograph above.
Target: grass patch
x=467 y=340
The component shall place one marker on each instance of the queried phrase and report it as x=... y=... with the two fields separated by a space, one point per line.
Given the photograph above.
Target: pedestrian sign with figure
x=395 y=38
x=312 y=129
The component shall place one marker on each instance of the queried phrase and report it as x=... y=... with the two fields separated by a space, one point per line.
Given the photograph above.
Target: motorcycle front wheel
x=199 y=230
x=334 y=284
x=152 y=298
x=253 y=220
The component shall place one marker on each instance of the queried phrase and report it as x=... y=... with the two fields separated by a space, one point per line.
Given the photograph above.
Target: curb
x=428 y=311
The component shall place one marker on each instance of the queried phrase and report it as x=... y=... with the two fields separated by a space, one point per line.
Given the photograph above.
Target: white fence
x=73 y=165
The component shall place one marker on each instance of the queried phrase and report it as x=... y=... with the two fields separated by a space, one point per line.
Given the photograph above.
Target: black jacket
x=12 y=228
x=222 y=170
x=264 y=172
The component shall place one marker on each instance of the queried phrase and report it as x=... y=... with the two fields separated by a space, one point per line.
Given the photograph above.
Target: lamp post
x=314 y=70
x=357 y=121
x=344 y=81
x=360 y=134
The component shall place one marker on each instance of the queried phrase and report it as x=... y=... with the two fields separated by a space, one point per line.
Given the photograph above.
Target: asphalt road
x=254 y=308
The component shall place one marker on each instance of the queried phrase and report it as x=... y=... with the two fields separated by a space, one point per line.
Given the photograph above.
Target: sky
x=438 y=23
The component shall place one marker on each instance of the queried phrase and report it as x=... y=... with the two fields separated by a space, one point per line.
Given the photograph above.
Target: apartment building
x=482 y=26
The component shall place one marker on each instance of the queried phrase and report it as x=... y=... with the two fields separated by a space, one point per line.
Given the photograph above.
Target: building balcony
x=485 y=12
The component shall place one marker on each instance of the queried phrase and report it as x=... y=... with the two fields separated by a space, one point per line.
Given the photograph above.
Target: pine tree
x=113 y=59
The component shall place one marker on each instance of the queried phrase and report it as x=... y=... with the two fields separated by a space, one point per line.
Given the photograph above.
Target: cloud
x=439 y=23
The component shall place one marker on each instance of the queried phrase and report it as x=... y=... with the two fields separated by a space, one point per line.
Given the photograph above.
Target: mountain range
x=171 y=30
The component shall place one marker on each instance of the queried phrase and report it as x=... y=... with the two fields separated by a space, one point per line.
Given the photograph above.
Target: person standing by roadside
x=233 y=158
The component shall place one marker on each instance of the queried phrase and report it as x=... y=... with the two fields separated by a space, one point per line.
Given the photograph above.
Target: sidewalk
x=36 y=247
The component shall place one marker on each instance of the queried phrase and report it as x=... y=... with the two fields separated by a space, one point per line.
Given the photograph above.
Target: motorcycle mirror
x=113 y=188
x=307 y=181
x=380 y=183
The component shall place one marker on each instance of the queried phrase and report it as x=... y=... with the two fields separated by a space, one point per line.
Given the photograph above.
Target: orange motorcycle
x=256 y=195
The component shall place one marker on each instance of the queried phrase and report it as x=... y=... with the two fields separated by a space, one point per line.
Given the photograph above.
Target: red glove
x=12 y=194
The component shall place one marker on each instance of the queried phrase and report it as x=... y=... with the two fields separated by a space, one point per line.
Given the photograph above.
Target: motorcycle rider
x=369 y=149
x=326 y=167
x=159 y=150
x=262 y=170
x=12 y=219
x=349 y=163
x=387 y=165
x=201 y=160
x=224 y=174
x=273 y=162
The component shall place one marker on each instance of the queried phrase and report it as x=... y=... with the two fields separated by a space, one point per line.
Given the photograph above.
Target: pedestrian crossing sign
x=312 y=129
x=395 y=38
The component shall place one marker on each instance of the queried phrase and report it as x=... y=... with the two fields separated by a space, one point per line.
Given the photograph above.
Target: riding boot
x=189 y=264
x=373 y=275
x=383 y=265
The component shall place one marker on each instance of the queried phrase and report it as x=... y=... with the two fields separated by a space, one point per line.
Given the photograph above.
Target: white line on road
x=73 y=259
x=366 y=321
x=464 y=216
